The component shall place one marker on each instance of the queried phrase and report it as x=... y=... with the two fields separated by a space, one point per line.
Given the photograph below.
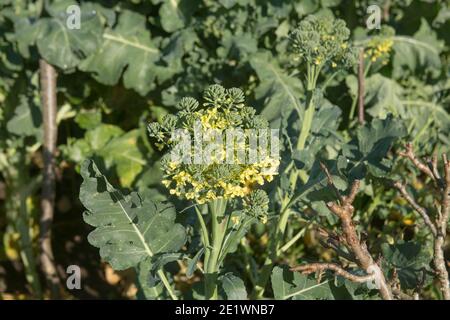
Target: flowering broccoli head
x=379 y=47
x=212 y=166
x=323 y=41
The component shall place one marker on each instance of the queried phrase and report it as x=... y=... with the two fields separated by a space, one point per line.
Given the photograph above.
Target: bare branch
x=420 y=210
x=409 y=154
x=335 y=241
x=439 y=229
x=335 y=246
x=439 y=259
x=330 y=182
x=338 y=238
x=353 y=192
x=445 y=205
x=344 y=211
x=433 y=165
x=320 y=267
x=48 y=95
x=401 y=295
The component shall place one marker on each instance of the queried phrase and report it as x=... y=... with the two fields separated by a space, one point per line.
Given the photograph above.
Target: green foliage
x=287 y=285
x=139 y=67
x=127 y=49
x=234 y=287
x=128 y=229
x=411 y=262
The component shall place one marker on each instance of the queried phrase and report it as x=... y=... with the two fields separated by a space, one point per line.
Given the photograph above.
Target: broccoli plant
x=225 y=194
x=322 y=173
x=316 y=197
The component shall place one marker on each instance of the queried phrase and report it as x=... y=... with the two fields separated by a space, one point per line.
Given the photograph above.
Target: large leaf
x=367 y=152
x=381 y=97
x=233 y=286
x=127 y=49
x=409 y=259
x=93 y=142
x=323 y=133
x=124 y=154
x=364 y=154
x=276 y=89
x=129 y=229
x=149 y=286
x=27 y=118
x=175 y=14
x=293 y=285
x=419 y=53
x=63 y=46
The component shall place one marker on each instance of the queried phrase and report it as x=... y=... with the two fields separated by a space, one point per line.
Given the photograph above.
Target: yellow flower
x=379 y=48
x=259 y=180
x=235 y=220
x=190 y=195
x=166 y=183
x=203 y=183
x=211 y=195
x=173 y=165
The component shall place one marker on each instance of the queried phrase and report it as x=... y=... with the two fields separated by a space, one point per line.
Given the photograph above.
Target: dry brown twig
x=48 y=93
x=422 y=211
x=409 y=154
x=438 y=228
x=320 y=267
x=344 y=210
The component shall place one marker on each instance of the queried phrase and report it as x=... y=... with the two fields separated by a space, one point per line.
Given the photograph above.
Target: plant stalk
x=218 y=226
x=361 y=87
x=17 y=210
x=49 y=105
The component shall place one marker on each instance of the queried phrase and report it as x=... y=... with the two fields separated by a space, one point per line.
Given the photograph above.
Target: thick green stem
x=276 y=241
x=18 y=190
x=204 y=235
x=274 y=249
x=218 y=226
x=313 y=74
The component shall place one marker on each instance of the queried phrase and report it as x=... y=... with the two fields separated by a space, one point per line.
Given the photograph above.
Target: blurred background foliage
x=130 y=63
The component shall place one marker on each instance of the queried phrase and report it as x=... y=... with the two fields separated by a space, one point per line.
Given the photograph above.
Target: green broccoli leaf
x=293 y=285
x=127 y=49
x=411 y=260
x=278 y=90
x=63 y=46
x=128 y=229
x=233 y=286
x=367 y=152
